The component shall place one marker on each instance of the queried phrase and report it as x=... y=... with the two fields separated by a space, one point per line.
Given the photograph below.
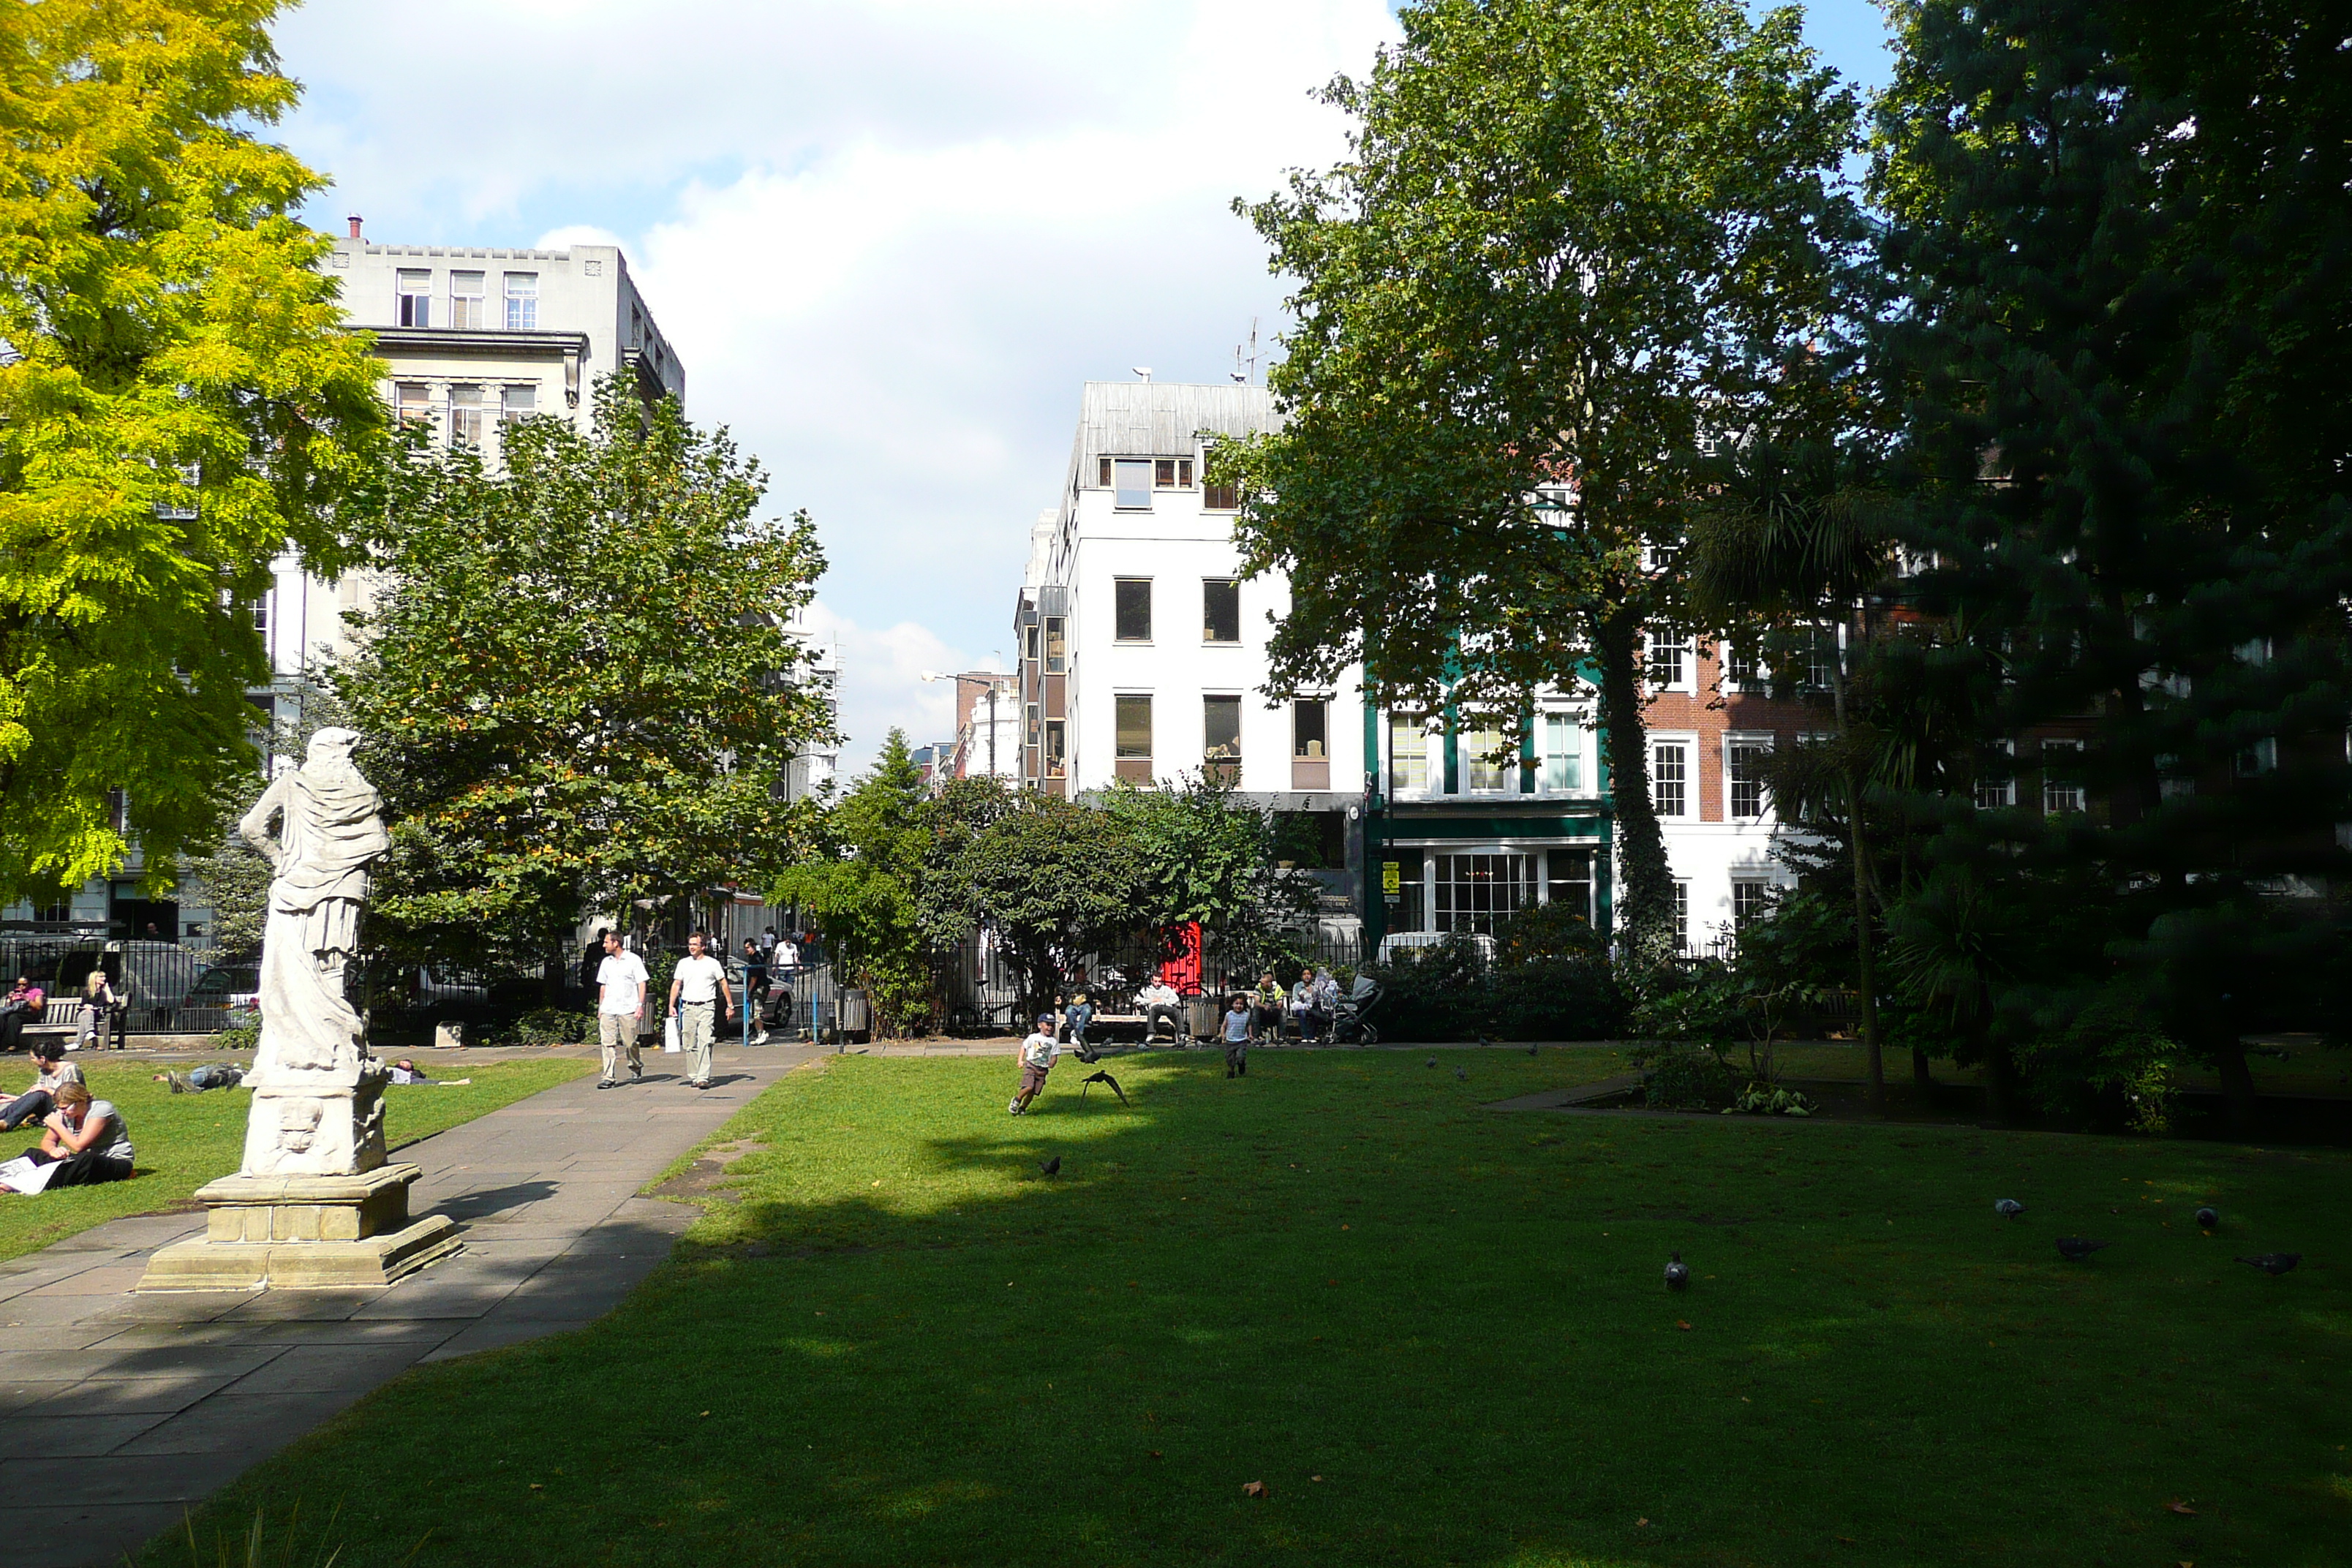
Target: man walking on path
x=620 y=1009
x=695 y=993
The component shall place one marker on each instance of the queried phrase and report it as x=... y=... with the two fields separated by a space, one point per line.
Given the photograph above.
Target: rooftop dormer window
x=414 y=290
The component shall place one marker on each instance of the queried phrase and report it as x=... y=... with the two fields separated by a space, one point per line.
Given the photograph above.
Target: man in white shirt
x=1159 y=1001
x=695 y=994
x=620 y=982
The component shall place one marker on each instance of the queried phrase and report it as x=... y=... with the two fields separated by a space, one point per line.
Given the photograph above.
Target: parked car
x=234 y=986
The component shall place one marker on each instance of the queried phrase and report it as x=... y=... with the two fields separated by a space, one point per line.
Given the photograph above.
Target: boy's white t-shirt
x=1038 y=1050
x=623 y=976
x=698 y=978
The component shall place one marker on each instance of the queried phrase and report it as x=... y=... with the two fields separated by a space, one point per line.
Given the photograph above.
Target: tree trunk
x=2001 y=1082
x=1921 y=1079
x=1858 y=840
x=2237 y=1084
x=1648 y=879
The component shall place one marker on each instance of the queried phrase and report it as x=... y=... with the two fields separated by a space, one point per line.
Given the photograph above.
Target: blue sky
x=889 y=241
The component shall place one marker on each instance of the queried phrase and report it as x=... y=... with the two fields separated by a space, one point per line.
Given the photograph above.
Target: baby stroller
x=1349 y=1023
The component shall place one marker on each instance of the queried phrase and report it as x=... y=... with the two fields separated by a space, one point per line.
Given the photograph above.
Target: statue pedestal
x=294 y=1232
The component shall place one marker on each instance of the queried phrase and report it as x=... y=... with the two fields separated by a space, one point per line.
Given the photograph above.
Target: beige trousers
x=693 y=1029
x=616 y=1031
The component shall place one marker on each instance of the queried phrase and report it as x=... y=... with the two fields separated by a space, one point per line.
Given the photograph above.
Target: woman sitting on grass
x=87 y=1142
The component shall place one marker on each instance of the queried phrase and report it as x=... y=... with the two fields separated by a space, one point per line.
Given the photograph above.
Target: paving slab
x=168 y=1399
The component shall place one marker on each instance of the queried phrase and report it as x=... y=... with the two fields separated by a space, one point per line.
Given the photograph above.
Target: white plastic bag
x=670 y=1035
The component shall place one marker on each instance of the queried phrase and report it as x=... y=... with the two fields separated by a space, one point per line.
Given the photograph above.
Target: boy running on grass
x=1241 y=1029
x=1036 y=1061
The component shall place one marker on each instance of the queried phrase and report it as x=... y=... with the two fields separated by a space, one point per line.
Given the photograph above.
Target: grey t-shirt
x=114 y=1144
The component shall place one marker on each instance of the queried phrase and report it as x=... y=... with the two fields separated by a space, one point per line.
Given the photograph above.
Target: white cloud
x=882 y=670
x=889 y=240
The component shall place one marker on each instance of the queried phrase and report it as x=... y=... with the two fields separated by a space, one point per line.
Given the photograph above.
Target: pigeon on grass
x=1052 y=1167
x=1531 y=1048
x=1461 y=1076
x=2208 y=1219
x=1102 y=1078
x=1433 y=1061
x=2273 y=1263
x=1678 y=1273
x=2074 y=1248
x=2009 y=1208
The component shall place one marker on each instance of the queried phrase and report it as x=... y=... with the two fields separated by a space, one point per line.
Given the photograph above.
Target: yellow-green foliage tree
x=179 y=406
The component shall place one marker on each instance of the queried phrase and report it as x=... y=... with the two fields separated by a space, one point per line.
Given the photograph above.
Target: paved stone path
x=119 y=1412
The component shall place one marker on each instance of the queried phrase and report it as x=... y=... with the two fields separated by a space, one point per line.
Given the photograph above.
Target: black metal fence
x=981 y=994
x=163 y=982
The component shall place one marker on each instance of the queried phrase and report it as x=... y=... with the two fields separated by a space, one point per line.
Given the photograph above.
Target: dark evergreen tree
x=2122 y=239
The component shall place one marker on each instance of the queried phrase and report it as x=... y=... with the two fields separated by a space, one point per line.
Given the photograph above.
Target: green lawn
x=1435 y=1334
x=186 y=1140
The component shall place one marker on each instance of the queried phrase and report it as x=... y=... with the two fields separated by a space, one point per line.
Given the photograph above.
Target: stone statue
x=318 y=1095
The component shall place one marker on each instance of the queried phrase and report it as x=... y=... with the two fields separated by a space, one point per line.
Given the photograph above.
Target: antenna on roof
x=1143 y=370
x=1246 y=376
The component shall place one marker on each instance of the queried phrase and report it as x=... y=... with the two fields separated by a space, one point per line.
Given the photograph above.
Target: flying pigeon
x=1678 y=1273
x=1102 y=1078
x=2273 y=1262
x=2207 y=1219
x=1052 y=1167
x=2009 y=1208
x=2074 y=1248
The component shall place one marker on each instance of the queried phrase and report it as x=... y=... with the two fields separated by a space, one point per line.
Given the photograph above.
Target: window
x=1221 y=610
x=1057 y=746
x=1131 y=483
x=416 y=300
x=259 y=610
x=1221 y=498
x=1681 y=917
x=1996 y=787
x=1485 y=764
x=465 y=415
x=1408 y=753
x=1750 y=901
x=1739 y=664
x=1310 y=748
x=1744 y=762
x=1058 y=646
x=1563 y=753
x=1221 y=739
x=1401 y=887
x=1670 y=778
x=2260 y=758
x=1479 y=892
x=1311 y=726
x=522 y=302
x=57 y=914
x=1668 y=663
x=517 y=403
x=1172 y=473
x=468 y=300
x=1034 y=733
x=1821 y=659
x=414 y=400
x=1568 y=879
x=1131 y=602
x=1035 y=644
x=1132 y=734
x=2059 y=793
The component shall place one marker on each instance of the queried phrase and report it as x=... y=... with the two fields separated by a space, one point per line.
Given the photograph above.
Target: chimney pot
x=355 y=225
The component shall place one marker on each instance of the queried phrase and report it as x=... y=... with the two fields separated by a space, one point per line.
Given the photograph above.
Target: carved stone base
x=297 y=1130
x=298 y=1233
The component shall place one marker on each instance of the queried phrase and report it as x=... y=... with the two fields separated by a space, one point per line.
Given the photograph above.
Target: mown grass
x=186 y=1140
x=1435 y=1333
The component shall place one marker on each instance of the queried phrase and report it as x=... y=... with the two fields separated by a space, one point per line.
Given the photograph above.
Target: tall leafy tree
x=1574 y=244
x=2123 y=241
x=178 y=408
x=577 y=679
x=860 y=882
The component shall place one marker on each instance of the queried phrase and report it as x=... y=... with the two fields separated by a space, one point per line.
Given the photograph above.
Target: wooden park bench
x=60 y=1019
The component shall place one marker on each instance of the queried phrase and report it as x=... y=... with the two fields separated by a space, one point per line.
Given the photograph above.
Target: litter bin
x=1201 y=1015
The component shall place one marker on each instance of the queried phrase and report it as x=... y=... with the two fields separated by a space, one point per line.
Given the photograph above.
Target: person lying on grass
x=1037 y=1061
x=56 y=1072
x=87 y=1142
x=405 y=1070
x=195 y=1080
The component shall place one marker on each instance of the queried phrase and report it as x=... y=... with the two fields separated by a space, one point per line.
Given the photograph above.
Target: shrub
x=1557 y=999
x=1767 y=1100
x=1679 y=1076
x=542 y=1027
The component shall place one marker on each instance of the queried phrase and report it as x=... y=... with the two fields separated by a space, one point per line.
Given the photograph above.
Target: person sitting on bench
x=23 y=1004
x=1159 y=1001
x=87 y=1140
x=38 y=1102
